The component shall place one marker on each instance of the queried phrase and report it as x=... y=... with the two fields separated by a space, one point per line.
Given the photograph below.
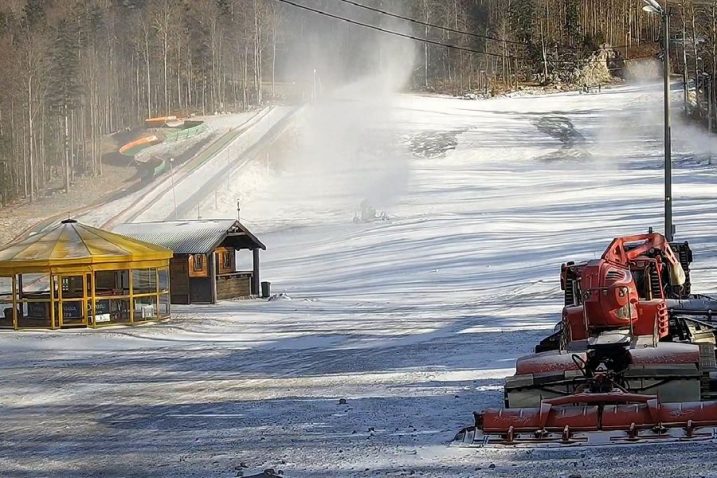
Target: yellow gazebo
x=75 y=275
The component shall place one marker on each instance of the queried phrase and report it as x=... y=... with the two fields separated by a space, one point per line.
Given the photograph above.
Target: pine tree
x=572 y=22
x=34 y=13
x=64 y=89
x=522 y=15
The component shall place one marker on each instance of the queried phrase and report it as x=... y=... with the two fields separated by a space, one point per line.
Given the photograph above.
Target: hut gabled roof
x=199 y=236
x=71 y=243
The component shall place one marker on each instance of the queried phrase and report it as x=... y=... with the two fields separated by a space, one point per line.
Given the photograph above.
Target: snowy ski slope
x=414 y=320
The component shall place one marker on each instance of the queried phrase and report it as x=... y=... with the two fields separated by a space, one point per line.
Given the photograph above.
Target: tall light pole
x=655 y=8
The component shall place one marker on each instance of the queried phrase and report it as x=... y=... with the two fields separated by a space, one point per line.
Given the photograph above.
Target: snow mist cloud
x=344 y=153
x=630 y=126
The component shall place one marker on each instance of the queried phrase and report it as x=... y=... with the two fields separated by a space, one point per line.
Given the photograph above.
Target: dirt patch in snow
x=434 y=144
x=16 y=218
x=562 y=129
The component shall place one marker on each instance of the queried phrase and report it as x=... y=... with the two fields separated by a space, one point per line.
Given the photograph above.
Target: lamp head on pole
x=651 y=6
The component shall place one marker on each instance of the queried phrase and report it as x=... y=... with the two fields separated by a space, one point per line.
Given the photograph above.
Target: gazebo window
x=70 y=306
x=120 y=310
x=34 y=296
x=163 y=292
x=145 y=308
x=145 y=293
x=163 y=278
x=144 y=281
x=112 y=282
x=72 y=286
x=6 y=301
x=123 y=282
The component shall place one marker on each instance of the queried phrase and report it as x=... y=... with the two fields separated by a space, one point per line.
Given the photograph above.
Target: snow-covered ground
x=414 y=320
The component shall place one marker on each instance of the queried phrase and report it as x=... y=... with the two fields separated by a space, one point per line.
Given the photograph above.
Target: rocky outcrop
x=601 y=67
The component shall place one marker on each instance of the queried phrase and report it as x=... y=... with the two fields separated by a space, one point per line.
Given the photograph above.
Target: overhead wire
x=449 y=29
x=412 y=37
x=392 y=32
x=432 y=25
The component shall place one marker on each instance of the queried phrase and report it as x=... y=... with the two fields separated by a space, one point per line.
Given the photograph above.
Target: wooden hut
x=74 y=275
x=204 y=266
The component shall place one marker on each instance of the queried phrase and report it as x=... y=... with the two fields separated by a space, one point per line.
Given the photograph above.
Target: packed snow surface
x=414 y=317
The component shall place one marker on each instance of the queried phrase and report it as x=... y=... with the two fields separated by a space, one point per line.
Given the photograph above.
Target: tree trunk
x=273 y=58
x=685 y=91
x=165 y=53
x=31 y=143
x=66 y=144
x=257 y=55
x=149 y=75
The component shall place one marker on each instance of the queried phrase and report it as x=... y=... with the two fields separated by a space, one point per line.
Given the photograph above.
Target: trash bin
x=265 y=290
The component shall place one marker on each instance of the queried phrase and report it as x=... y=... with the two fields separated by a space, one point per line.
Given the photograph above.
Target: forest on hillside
x=75 y=71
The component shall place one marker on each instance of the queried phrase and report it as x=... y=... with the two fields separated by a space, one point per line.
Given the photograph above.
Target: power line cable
x=413 y=37
x=432 y=25
x=453 y=30
x=404 y=35
x=391 y=32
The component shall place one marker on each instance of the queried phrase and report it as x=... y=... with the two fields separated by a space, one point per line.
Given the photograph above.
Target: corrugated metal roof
x=189 y=237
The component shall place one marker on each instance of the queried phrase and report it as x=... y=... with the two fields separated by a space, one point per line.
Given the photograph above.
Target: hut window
x=198 y=260
x=227 y=260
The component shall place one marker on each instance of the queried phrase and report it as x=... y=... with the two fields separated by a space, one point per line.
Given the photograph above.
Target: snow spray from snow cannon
x=343 y=153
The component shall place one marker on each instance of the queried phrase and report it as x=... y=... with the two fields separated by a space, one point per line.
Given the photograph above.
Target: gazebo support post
x=131 y=296
x=85 y=318
x=156 y=289
x=93 y=298
x=14 y=301
x=255 y=273
x=52 y=302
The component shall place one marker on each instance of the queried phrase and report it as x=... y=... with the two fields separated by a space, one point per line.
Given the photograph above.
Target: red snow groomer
x=632 y=360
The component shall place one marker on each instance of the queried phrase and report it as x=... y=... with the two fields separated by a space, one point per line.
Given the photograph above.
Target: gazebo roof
x=71 y=244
